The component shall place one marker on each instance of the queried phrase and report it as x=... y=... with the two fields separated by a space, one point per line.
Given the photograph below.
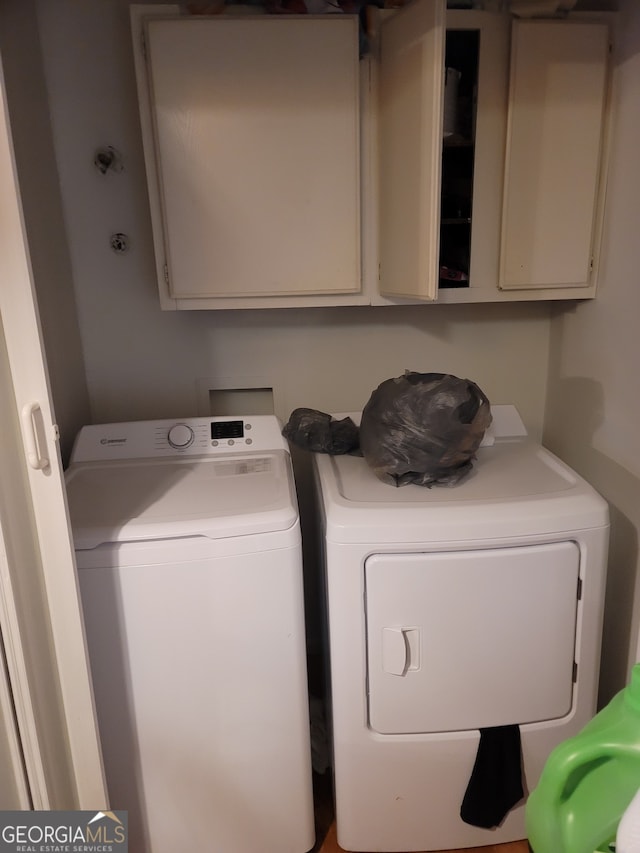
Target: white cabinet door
x=411 y=79
x=256 y=132
x=40 y=614
x=558 y=89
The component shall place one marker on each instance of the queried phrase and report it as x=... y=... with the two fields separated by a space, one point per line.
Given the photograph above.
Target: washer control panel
x=190 y=437
x=230 y=432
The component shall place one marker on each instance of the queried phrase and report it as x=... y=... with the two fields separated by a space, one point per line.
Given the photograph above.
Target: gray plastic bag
x=313 y=430
x=423 y=428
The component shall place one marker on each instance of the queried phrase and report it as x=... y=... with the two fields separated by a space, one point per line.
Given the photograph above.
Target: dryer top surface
x=501 y=472
x=516 y=488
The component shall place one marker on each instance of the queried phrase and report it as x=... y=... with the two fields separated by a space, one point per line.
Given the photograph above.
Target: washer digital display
x=227 y=429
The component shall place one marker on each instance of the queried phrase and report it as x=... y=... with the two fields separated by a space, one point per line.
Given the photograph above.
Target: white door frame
x=42 y=617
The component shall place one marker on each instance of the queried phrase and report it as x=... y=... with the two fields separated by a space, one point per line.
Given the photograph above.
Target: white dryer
x=188 y=548
x=452 y=610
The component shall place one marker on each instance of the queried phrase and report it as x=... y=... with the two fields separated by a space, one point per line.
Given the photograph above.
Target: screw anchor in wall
x=119 y=243
x=108 y=159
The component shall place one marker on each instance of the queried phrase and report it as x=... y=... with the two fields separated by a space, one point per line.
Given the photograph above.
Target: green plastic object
x=589 y=780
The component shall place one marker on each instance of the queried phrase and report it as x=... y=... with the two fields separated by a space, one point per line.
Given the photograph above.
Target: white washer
x=450 y=610
x=188 y=548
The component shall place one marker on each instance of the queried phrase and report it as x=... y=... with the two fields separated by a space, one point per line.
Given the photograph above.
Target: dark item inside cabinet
x=458 y=154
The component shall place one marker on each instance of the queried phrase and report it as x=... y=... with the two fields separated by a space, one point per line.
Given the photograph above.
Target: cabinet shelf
x=456 y=142
x=452 y=285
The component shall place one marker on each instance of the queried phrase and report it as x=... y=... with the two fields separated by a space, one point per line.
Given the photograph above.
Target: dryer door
x=471 y=639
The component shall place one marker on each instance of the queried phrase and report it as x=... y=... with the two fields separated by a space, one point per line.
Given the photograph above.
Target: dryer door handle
x=395 y=651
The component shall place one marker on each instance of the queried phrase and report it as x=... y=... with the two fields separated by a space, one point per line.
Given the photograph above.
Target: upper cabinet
x=460 y=159
x=558 y=89
x=252 y=145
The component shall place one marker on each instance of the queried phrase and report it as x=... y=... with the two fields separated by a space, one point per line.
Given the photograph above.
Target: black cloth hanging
x=495 y=785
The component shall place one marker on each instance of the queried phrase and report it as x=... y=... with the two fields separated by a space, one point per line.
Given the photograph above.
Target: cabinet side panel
x=556 y=112
x=410 y=108
x=490 y=134
x=139 y=15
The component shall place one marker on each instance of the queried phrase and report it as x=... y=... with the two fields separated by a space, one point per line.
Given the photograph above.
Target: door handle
x=400 y=650
x=31 y=418
x=395 y=651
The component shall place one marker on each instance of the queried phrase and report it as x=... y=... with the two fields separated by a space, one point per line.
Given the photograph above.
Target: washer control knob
x=180 y=436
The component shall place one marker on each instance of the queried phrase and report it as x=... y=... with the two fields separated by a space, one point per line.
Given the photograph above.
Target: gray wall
x=593 y=405
x=43 y=215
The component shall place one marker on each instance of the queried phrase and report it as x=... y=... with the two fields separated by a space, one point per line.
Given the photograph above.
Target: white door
x=40 y=615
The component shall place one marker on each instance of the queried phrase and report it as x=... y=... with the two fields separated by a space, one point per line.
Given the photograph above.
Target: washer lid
x=132 y=500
